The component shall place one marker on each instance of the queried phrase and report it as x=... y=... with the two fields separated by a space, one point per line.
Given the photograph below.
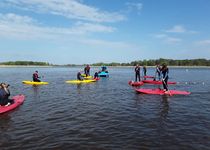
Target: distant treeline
x=25 y=63
x=153 y=62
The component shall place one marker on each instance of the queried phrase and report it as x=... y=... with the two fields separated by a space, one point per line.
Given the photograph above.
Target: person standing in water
x=137 y=72
x=165 y=72
x=36 y=77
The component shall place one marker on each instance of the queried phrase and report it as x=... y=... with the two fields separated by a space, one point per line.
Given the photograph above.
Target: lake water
x=107 y=114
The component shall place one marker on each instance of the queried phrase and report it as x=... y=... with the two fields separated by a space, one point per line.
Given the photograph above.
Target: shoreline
x=23 y=66
x=57 y=66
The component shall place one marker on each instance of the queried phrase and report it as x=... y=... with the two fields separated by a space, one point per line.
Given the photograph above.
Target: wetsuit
x=103 y=68
x=87 y=71
x=4 y=97
x=137 y=71
x=145 y=71
x=165 y=72
x=79 y=77
x=96 y=75
x=35 y=77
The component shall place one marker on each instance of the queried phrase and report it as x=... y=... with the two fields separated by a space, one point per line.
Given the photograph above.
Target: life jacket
x=35 y=76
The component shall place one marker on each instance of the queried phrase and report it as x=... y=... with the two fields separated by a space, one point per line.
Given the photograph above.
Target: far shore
x=52 y=66
x=23 y=66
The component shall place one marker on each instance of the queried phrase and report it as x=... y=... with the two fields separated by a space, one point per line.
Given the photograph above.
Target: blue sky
x=90 y=31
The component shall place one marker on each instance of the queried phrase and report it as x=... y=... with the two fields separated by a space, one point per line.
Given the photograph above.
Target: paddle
x=167 y=87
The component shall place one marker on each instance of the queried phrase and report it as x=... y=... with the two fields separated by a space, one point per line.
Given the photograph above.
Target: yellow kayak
x=88 y=77
x=80 y=81
x=84 y=75
x=34 y=83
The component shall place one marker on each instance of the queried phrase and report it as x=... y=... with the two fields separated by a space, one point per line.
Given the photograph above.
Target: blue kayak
x=103 y=74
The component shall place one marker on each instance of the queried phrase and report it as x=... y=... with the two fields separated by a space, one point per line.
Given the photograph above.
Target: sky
x=91 y=31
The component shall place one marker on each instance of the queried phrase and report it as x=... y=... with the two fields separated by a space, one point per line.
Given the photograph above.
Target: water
x=108 y=114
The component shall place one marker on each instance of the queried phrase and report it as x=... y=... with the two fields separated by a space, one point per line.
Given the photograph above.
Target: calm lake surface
x=107 y=114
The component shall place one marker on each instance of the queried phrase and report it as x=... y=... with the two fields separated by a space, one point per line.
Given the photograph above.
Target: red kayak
x=148 y=77
x=156 y=82
x=132 y=83
x=162 y=92
x=96 y=79
x=18 y=100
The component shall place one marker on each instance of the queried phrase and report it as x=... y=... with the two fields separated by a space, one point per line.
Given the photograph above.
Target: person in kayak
x=4 y=95
x=157 y=72
x=87 y=70
x=165 y=72
x=137 y=72
x=145 y=70
x=79 y=76
x=36 y=77
x=103 y=68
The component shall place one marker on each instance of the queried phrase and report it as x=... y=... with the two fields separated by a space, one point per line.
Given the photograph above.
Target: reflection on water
x=5 y=122
x=164 y=108
x=108 y=114
x=35 y=89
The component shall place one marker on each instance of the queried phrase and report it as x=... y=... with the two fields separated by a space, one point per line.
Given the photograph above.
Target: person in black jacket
x=137 y=73
x=165 y=72
x=4 y=95
x=79 y=76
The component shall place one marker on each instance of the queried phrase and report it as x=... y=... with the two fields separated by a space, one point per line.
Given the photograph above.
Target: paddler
x=137 y=72
x=165 y=72
x=36 y=77
x=144 y=70
x=87 y=70
x=79 y=76
x=96 y=75
x=4 y=95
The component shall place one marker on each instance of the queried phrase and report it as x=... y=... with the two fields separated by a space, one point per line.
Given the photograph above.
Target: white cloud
x=180 y=29
x=173 y=40
x=167 y=39
x=177 y=29
x=160 y=36
x=203 y=42
x=73 y=9
x=134 y=6
x=12 y=25
x=89 y=27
